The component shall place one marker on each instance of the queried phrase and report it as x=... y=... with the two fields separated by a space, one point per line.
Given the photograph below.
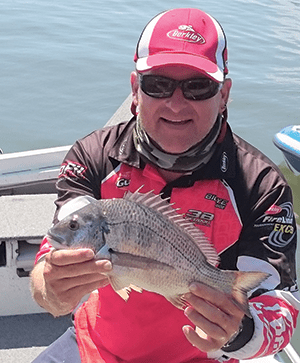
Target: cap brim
x=203 y=65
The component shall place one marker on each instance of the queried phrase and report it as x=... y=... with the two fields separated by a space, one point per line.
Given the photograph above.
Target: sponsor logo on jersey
x=219 y=202
x=274 y=209
x=224 y=162
x=284 y=228
x=199 y=217
x=124 y=179
x=122 y=182
x=279 y=220
x=72 y=169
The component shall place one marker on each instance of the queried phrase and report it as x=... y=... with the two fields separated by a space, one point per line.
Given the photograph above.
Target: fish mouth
x=56 y=241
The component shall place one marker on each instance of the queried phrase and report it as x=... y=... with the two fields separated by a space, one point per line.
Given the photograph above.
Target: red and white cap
x=187 y=37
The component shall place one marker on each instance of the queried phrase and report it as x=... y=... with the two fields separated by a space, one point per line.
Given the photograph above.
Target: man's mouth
x=176 y=122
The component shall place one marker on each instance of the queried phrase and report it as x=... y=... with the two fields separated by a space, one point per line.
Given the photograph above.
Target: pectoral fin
x=127 y=260
x=139 y=262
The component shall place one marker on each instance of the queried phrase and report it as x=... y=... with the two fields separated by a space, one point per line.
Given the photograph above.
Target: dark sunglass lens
x=156 y=86
x=200 y=88
x=193 y=89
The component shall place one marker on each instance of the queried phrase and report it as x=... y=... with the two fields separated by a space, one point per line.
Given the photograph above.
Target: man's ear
x=134 y=80
x=225 y=92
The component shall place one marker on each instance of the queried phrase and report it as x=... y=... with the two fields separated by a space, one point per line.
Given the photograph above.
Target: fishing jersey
x=242 y=203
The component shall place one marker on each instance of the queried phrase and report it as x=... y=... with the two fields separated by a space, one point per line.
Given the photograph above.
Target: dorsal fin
x=163 y=206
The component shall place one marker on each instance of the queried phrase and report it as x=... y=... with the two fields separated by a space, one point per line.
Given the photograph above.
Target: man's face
x=177 y=123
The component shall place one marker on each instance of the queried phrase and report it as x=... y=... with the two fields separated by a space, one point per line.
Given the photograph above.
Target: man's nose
x=177 y=100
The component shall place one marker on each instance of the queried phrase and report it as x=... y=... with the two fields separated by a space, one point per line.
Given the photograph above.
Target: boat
x=288 y=141
x=27 y=194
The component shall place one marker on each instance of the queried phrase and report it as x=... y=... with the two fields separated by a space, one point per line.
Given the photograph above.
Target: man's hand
x=65 y=276
x=216 y=318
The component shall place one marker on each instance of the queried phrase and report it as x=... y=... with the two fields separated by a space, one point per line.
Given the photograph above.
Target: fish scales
x=151 y=246
x=151 y=230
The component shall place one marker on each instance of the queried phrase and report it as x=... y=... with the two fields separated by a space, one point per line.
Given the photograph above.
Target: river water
x=65 y=67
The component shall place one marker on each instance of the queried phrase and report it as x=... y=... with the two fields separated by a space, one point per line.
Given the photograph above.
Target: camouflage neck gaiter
x=190 y=160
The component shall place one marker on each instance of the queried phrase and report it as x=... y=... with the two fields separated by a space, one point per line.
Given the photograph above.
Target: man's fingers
x=212 y=329
x=66 y=284
x=216 y=298
x=70 y=295
x=204 y=307
x=214 y=315
x=205 y=345
x=68 y=257
x=216 y=322
x=78 y=264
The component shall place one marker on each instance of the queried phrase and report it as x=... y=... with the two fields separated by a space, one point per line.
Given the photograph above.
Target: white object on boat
x=288 y=141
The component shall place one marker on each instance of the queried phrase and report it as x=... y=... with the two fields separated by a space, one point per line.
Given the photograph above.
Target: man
x=178 y=143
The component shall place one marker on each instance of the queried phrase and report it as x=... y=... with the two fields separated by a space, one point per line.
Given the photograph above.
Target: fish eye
x=73 y=225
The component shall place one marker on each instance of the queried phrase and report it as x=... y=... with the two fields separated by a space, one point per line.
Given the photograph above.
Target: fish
x=151 y=247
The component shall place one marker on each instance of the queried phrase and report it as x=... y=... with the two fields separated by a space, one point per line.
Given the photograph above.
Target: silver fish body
x=152 y=247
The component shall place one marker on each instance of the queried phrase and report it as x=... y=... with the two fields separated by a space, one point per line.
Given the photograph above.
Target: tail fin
x=245 y=282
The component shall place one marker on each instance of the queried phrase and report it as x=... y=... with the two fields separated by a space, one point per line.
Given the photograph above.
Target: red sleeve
x=275 y=314
x=275 y=317
x=45 y=247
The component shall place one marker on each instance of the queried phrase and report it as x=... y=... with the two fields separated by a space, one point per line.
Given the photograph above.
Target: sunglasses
x=196 y=89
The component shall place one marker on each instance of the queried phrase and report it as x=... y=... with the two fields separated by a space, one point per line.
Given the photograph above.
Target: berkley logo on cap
x=186 y=33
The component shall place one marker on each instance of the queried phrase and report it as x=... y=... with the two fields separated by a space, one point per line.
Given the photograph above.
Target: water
x=65 y=67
